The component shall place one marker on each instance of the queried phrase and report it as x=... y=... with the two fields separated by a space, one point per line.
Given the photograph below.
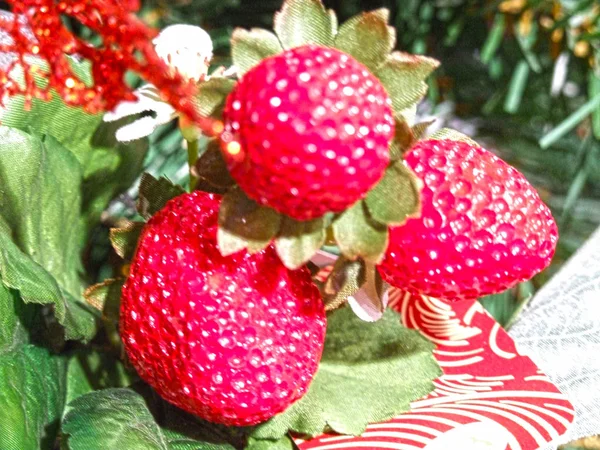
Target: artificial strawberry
x=308 y=132
x=232 y=339
x=483 y=227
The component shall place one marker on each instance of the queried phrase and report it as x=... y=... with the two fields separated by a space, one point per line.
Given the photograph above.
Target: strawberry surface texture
x=234 y=340
x=308 y=132
x=483 y=228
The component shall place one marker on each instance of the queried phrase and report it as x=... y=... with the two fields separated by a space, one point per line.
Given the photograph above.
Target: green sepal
x=396 y=197
x=211 y=170
x=285 y=443
x=244 y=224
x=452 y=135
x=368 y=38
x=345 y=280
x=155 y=193
x=106 y=298
x=404 y=138
x=403 y=75
x=249 y=48
x=369 y=372
x=420 y=129
x=212 y=94
x=124 y=239
x=298 y=242
x=359 y=236
x=301 y=22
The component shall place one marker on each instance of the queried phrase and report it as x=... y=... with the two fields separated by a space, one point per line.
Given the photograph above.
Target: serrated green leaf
x=106 y=298
x=212 y=94
x=155 y=193
x=125 y=238
x=453 y=135
x=403 y=76
x=15 y=320
x=368 y=38
x=285 y=443
x=302 y=22
x=120 y=418
x=32 y=395
x=298 y=241
x=358 y=236
x=243 y=223
x=211 y=170
x=248 y=48
x=395 y=197
x=369 y=372
x=345 y=279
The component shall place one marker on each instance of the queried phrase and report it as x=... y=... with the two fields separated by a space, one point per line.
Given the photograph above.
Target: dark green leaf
x=125 y=238
x=15 y=320
x=32 y=395
x=345 y=279
x=403 y=76
x=212 y=94
x=248 y=48
x=358 y=236
x=106 y=298
x=370 y=372
x=285 y=443
x=302 y=22
x=299 y=241
x=453 y=135
x=396 y=196
x=243 y=223
x=211 y=170
x=368 y=38
x=154 y=194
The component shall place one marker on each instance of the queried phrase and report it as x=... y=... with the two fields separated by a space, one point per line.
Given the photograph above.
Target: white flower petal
x=139 y=129
x=144 y=103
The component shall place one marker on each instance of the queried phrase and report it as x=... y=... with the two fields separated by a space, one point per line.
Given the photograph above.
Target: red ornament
x=234 y=339
x=308 y=132
x=483 y=227
x=41 y=42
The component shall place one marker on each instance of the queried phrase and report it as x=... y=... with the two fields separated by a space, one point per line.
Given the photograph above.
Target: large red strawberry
x=308 y=132
x=483 y=227
x=231 y=339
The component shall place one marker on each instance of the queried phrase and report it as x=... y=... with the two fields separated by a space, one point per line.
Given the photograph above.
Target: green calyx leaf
x=299 y=241
x=244 y=224
x=396 y=197
x=248 y=48
x=345 y=279
x=404 y=138
x=369 y=372
x=420 y=129
x=302 y=22
x=211 y=170
x=155 y=193
x=368 y=38
x=125 y=238
x=452 y=135
x=403 y=75
x=106 y=298
x=359 y=236
x=285 y=443
x=212 y=94
x=32 y=395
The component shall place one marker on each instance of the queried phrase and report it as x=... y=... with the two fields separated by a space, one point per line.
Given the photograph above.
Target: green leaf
x=32 y=395
x=593 y=91
x=244 y=224
x=155 y=193
x=517 y=86
x=368 y=38
x=396 y=197
x=248 y=48
x=494 y=39
x=298 y=241
x=358 y=235
x=211 y=170
x=453 y=135
x=345 y=280
x=404 y=138
x=106 y=298
x=212 y=94
x=120 y=418
x=285 y=443
x=403 y=76
x=124 y=239
x=302 y=22
x=42 y=231
x=15 y=320
x=370 y=372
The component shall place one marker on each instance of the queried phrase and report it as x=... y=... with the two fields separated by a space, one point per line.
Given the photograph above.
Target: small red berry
x=308 y=132
x=235 y=339
x=483 y=227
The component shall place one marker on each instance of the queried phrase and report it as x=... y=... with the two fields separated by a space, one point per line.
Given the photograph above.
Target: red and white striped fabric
x=490 y=396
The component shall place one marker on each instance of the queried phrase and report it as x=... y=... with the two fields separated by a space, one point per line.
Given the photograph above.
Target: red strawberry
x=308 y=132
x=483 y=227
x=232 y=339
